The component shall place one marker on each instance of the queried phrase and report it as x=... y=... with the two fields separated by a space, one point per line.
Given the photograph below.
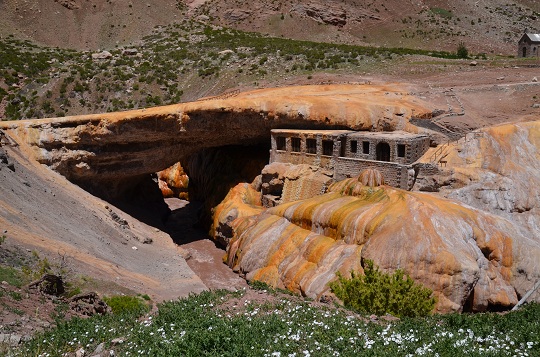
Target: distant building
x=529 y=45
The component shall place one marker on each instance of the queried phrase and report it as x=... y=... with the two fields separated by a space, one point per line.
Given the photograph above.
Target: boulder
x=289 y=182
x=130 y=52
x=68 y=4
x=101 y=55
x=173 y=181
x=331 y=15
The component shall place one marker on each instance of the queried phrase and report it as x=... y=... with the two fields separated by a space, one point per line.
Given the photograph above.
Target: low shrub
x=381 y=293
x=132 y=305
x=462 y=51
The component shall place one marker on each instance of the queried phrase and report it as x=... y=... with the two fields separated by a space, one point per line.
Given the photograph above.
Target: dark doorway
x=383 y=152
x=524 y=51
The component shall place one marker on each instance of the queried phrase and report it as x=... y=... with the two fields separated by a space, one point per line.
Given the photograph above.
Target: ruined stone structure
x=529 y=45
x=346 y=153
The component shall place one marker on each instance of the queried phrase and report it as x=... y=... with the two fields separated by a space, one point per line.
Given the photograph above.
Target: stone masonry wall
x=414 y=148
x=394 y=174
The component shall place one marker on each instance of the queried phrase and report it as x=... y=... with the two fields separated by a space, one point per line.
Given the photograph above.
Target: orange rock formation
x=173 y=181
x=469 y=258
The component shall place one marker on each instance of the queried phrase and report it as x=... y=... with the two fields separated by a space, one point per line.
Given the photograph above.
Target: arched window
x=383 y=151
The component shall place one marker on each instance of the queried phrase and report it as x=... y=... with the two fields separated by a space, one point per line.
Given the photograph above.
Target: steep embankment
x=471 y=259
x=496 y=169
x=117 y=147
x=42 y=211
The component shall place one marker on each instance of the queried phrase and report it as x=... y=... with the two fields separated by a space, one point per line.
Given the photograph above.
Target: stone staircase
x=431 y=125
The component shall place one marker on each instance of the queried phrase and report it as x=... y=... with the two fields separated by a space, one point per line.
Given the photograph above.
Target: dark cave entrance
x=212 y=173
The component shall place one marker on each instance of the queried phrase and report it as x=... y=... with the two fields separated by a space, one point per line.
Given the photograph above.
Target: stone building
x=346 y=153
x=529 y=45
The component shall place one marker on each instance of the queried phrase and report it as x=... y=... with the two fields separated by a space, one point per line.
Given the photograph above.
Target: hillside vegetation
x=190 y=57
x=487 y=26
x=242 y=324
x=492 y=26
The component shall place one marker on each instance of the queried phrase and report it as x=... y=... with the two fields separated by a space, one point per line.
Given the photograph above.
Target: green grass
x=447 y=14
x=12 y=276
x=200 y=325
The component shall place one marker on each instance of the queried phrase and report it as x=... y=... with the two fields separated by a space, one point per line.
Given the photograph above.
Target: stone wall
x=413 y=147
x=527 y=49
x=347 y=153
x=394 y=174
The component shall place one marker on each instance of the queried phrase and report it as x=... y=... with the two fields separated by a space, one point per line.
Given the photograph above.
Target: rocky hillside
x=486 y=26
x=81 y=24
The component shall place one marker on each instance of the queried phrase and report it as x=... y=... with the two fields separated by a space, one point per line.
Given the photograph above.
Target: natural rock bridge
x=114 y=148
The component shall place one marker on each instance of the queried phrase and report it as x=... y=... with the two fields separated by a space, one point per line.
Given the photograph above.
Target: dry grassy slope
x=486 y=26
x=83 y=24
x=101 y=23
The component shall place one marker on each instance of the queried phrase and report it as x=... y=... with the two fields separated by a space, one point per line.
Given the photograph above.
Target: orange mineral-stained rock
x=241 y=201
x=469 y=258
x=173 y=181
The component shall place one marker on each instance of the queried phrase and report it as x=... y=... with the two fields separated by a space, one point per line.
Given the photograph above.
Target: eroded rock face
x=331 y=15
x=497 y=170
x=471 y=259
x=241 y=201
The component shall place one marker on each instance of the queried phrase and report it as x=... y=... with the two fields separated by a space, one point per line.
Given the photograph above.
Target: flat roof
x=387 y=134
x=351 y=133
x=314 y=132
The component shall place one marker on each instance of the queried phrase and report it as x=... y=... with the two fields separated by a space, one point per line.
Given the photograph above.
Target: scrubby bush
x=462 y=51
x=381 y=293
x=127 y=305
